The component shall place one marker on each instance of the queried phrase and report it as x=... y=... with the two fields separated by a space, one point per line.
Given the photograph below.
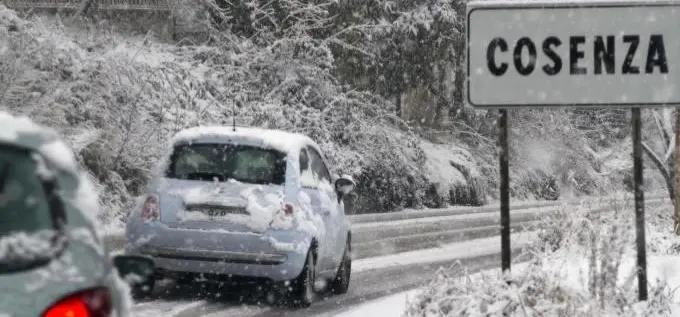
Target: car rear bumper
x=220 y=252
x=214 y=256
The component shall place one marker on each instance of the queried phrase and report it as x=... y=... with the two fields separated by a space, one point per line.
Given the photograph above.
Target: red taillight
x=150 y=208
x=91 y=303
x=288 y=209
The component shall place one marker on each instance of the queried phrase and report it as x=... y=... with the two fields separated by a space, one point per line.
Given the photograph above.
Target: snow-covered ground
x=452 y=251
x=592 y=267
x=154 y=309
x=393 y=305
x=660 y=268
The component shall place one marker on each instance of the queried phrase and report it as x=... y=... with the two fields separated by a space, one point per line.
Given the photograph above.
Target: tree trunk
x=677 y=175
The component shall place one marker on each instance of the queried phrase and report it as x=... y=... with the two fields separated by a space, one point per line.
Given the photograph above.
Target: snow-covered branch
x=663 y=169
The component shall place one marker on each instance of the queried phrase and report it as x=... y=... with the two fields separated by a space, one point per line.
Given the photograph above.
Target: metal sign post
x=599 y=53
x=505 y=189
x=639 y=205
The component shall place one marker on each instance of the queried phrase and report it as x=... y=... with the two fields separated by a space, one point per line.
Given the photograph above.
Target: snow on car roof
x=276 y=139
x=23 y=132
x=13 y=127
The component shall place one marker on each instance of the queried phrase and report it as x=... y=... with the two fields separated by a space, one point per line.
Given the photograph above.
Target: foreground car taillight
x=150 y=208
x=91 y=303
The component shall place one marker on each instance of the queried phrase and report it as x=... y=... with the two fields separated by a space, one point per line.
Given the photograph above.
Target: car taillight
x=90 y=303
x=288 y=209
x=150 y=208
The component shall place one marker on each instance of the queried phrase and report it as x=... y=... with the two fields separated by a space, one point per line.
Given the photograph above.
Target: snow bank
x=583 y=265
x=393 y=305
x=568 y=269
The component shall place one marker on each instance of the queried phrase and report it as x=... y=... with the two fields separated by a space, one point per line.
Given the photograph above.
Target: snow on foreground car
x=52 y=261
x=235 y=202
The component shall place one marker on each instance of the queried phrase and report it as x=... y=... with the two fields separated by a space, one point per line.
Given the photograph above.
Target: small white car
x=240 y=202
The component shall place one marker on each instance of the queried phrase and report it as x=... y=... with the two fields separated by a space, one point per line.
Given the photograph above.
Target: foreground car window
x=247 y=164
x=26 y=215
x=24 y=206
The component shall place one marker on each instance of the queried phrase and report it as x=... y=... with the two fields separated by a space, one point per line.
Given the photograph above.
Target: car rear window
x=243 y=163
x=31 y=216
x=24 y=206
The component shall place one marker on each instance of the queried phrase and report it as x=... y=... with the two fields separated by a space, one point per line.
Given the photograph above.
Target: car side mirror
x=344 y=185
x=136 y=271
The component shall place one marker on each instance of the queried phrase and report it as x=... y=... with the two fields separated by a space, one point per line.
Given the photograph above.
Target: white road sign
x=583 y=54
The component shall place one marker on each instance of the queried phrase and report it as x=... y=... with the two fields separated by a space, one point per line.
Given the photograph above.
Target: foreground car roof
x=23 y=132
x=276 y=139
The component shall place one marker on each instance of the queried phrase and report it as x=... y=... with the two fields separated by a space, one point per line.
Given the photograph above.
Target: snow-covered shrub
x=454 y=176
x=105 y=103
x=583 y=152
x=576 y=270
x=661 y=238
x=118 y=99
x=537 y=291
x=287 y=65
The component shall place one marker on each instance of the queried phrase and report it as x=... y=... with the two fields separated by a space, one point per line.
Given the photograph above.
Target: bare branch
x=661 y=166
x=662 y=131
x=669 y=151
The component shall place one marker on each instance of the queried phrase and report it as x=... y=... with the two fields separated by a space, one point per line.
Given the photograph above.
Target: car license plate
x=215 y=212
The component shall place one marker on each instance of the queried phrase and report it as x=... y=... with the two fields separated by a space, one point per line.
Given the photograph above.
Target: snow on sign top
x=600 y=53
x=283 y=141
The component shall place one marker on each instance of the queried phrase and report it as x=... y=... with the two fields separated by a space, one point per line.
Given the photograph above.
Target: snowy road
x=372 y=278
x=401 y=260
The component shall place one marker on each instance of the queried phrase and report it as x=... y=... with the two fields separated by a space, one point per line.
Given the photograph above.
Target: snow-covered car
x=52 y=262
x=246 y=202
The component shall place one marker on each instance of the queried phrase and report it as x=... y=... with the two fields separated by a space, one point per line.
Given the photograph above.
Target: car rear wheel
x=340 y=284
x=303 y=292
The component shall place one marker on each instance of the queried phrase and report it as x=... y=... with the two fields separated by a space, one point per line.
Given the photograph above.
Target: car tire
x=303 y=293
x=340 y=284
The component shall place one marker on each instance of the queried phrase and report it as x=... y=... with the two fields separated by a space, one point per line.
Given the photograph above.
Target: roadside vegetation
x=377 y=84
x=583 y=264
